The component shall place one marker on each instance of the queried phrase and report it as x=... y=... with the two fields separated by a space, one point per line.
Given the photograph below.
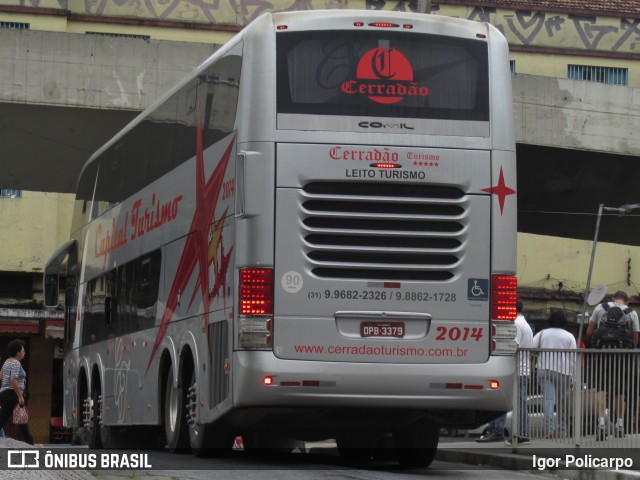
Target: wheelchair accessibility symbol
x=478 y=289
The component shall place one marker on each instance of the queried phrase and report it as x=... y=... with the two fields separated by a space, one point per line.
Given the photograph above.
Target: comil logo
x=384 y=75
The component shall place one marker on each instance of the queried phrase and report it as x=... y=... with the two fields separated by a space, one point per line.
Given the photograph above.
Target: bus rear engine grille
x=384 y=190
x=384 y=231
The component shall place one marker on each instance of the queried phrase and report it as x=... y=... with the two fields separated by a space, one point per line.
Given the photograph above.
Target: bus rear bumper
x=262 y=380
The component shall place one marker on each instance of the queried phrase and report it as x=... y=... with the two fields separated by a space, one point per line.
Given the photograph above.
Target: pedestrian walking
x=555 y=371
x=613 y=325
x=12 y=386
x=524 y=339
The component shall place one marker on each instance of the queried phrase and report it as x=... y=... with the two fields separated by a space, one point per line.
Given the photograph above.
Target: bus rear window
x=382 y=74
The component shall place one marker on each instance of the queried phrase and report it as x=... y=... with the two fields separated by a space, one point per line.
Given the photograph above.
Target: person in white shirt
x=524 y=339
x=555 y=370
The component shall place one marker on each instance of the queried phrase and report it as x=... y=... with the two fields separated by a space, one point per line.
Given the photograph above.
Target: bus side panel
x=121 y=389
x=504 y=212
x=72 y=413
x=502 y=121
x=70 y=380
x=256 y=189
x=199 y=275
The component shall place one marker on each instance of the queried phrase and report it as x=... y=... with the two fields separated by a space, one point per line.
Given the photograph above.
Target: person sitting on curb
x=495 y=431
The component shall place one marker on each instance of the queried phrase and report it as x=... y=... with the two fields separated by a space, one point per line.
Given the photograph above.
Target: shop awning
x=32 y=321
x=19 y=326
x=54 y=329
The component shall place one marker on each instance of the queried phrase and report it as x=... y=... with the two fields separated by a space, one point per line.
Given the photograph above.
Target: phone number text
x=382 y=295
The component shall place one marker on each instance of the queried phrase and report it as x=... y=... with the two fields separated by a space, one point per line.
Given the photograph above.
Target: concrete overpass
x=62 y=95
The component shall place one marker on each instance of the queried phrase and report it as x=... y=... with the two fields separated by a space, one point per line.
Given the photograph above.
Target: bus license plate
x=382 y=329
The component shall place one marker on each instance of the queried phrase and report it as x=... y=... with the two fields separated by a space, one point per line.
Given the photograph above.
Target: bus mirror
x=51 y=290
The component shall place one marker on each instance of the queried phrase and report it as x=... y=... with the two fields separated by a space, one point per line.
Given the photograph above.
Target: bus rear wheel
x=205 y=440
x=416 y=448
x=175 y=415
x=92 y=419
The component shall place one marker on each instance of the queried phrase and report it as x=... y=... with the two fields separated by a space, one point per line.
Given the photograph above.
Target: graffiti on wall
x=544 y=29
x=525 y=28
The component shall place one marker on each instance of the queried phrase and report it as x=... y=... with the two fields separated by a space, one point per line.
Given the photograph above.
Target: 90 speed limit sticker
x=291 y=282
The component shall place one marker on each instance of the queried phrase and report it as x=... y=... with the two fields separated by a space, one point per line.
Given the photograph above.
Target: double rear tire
x=416 y=448
x=182 y=431
x=175 y=415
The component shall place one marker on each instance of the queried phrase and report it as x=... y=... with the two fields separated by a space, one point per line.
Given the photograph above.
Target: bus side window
x=111 y=300
x=90 y=315
x=146 y=288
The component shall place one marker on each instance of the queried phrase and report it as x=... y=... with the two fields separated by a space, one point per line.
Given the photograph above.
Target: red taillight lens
x=256 y=291
x=256 y=276
x=503 y=297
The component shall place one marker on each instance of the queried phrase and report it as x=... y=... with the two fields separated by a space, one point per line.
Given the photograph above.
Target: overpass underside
x=44 y=147
x=559 y=191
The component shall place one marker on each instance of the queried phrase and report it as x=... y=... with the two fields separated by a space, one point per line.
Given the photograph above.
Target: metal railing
x=578 y=397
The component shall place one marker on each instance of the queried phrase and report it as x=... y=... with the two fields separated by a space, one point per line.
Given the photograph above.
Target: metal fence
x=578 y=397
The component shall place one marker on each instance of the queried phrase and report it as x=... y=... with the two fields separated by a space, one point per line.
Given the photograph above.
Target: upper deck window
x=385 y=74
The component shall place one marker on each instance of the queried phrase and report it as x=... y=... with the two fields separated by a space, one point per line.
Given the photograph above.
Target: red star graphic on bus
x=196 y=249
x=501 y=190
x=220 y=264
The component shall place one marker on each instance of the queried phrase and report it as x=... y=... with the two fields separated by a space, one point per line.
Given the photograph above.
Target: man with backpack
x=612 y=325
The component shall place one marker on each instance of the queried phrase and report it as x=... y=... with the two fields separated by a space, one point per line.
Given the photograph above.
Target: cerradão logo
x=384 y=75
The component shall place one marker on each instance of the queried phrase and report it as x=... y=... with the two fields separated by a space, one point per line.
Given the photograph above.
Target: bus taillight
x=503 y=307
x=255 y=328
x=503 y=297
x=256 y=291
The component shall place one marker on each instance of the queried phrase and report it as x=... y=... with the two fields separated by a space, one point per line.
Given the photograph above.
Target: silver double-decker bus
x=312 y=236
